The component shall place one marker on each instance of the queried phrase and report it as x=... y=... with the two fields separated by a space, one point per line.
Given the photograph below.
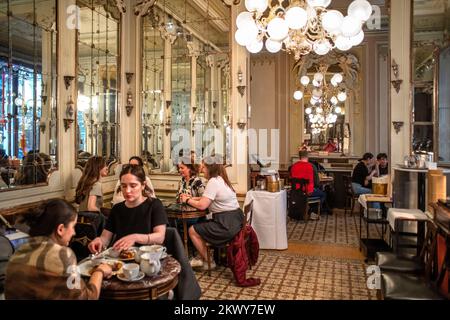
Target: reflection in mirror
x=324 y=87
x=28 y=136
x=185 y=83
x=444 y=106
x=431 y=21
x=98 y=81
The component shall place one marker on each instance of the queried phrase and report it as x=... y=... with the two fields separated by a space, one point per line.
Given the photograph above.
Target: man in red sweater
x=303 y=169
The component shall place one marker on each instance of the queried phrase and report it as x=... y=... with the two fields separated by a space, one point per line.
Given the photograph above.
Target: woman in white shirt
x=118 y=196
x=220 y=199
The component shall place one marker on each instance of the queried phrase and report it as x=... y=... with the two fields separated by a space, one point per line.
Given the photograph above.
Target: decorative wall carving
x=143 y=8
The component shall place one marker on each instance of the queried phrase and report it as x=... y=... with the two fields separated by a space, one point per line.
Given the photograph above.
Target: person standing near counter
x=362 y=175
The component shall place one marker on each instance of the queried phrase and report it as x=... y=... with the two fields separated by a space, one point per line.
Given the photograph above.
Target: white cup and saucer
x=131 y=272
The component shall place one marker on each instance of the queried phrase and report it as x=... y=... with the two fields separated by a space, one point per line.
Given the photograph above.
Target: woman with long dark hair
x=118 y=195
x=138 y=220
x=45 y=267
x=89 y=189
x=220 y=199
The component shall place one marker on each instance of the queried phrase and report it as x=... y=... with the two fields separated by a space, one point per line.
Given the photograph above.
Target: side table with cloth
x=269 y=218
x=407 y=223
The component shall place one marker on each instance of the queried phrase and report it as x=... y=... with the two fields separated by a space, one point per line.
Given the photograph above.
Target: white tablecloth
x=411 y=226
x=269 y=218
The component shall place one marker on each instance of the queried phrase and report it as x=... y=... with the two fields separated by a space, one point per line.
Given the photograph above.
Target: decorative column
x=194 y=53
x=238 y=173
x=169 y=40
x=46 y=98
x=400 y=110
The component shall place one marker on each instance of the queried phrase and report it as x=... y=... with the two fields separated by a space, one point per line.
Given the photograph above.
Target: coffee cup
x=158 y=249
x=131 y=271
x=140 y=252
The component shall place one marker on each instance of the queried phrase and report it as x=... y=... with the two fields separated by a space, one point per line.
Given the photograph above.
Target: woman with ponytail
x=89 y=189
x=45 y=267
x=138 y=220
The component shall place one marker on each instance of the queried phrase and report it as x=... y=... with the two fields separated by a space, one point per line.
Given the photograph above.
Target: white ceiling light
x=298 y=95
x=273 y=46
x=304 y=80
x=301 y=26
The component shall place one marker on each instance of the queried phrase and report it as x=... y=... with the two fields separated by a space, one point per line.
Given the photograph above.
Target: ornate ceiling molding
x=143 y=7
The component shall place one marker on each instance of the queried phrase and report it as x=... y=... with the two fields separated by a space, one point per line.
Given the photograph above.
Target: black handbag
x=89 y=226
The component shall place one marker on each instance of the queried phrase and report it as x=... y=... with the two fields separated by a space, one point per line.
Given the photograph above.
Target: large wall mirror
x=325 y=86
x=98 y=70
x=28 y=76
x=185 y=83
x=431 y=22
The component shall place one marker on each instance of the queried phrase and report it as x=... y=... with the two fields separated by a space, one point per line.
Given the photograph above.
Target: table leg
x=185 y=237
x=421 y=191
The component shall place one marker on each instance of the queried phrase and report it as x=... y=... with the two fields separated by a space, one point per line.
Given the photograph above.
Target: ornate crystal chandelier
x=323 y=109
x=301 y=27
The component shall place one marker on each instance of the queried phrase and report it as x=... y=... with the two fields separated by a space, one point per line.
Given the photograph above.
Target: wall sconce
x=68 y=81
x=129 y=76
x=241 y=124
x=42 y=126
x=70 y=111
x=240 y=87
x=397 y=82
x=129 y=105
x=397 y=126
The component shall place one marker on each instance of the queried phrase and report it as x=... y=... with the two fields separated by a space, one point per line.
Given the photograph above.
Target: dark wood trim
x=21 y=209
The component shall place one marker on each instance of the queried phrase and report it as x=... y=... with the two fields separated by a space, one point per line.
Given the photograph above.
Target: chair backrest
x=247 y=210
x=348 y=185
x=301 y=184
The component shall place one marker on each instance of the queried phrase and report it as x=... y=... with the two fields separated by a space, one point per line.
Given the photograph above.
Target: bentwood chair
x=247 y=210
x=350 y=196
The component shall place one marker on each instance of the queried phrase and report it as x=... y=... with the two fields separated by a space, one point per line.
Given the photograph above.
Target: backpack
x=298 y=200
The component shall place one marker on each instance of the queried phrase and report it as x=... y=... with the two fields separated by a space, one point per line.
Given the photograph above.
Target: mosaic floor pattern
x=292 y=276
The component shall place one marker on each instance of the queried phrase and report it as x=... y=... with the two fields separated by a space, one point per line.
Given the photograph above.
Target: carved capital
x=121 y=6
x=194 y=49
x=143 y=7
x=165 y=35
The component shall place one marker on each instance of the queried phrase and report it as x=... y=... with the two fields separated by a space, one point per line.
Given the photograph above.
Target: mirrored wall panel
x=185 y=83
x=430 y=133
x=28 y=76
x=98 y=81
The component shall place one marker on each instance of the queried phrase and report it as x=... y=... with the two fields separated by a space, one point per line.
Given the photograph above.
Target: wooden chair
x=247 y=210
x=350 y=196
x=311 y=200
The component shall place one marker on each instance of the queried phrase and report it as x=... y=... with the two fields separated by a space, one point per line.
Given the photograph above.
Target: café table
x=184 y=212
x=149 y=288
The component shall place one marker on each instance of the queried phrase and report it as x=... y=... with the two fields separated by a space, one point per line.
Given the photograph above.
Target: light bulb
x=255 y=46
x=350 y=26
x=317 y=93
x=356 y=40
x=319 y=110
x=298 y=95
x=338 y=78
x=304 y=80
x=343 y=43
x=332 y=20
x=360 y=9
x=278 y=29
x=243 y=19
x=256 y=5
x=315 y=83
x=319 y=3
x=318 y=77
x=243 y=37
x=333 y=82
x=308 y=110
x=322 y=47
x=273 y=46
x=338 y=110
x=296 y=18
x=334 y=100
x=342 y=96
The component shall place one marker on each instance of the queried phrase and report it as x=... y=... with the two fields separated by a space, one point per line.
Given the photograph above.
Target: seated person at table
x=118 y=196
x=139 y=220
x=382 y=165
x=45 y=267
x=303 y=169
x=220 y=199
x=190 y=182
x=361 y=178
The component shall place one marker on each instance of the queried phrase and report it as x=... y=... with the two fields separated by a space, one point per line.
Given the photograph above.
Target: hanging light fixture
x=325 y=98
x=301 y=27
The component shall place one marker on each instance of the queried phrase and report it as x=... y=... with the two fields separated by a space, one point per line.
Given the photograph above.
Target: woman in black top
x=361 y=178
x=137 y=220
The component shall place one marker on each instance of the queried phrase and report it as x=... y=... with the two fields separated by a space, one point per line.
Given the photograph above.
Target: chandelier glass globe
x=273 y=46
x=255 y=46
x=360 y=9
x=256 y=5
x=342 y=96
x=308 y=110
x=319 y=3
x=338 y=110
x=298 y=95
x=278 y=29
x=332 y=20
x=350 y=27
x=304 y=80
x=334 y=100
x=318 y=77
x=296 y=18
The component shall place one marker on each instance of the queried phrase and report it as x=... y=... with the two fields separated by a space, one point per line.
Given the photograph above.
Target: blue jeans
x=359 y=189
x=319 y=194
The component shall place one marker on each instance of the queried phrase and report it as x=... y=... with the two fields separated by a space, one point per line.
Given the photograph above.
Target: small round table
x=149 y=288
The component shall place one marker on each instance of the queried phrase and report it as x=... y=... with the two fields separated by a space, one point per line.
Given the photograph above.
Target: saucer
x=122 y=277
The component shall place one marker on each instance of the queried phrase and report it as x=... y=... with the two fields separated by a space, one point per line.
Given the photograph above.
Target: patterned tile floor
x=291 y=276
x=337 y=229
